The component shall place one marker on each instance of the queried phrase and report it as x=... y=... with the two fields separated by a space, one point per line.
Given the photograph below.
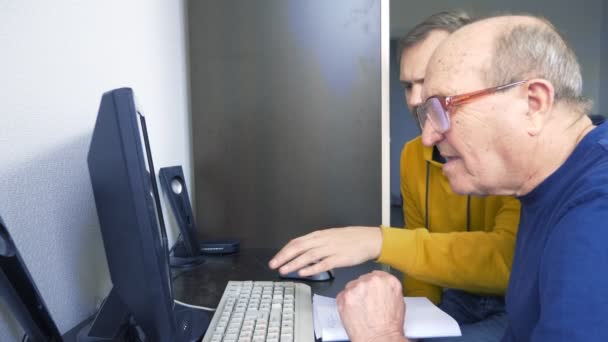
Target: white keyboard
x=256 y=311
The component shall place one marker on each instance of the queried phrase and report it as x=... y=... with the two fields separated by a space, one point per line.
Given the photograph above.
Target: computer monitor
x=21 y=295
x=141 y=302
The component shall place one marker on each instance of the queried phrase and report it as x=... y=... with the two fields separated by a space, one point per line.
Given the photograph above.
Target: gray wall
x=57 y=59
x=286 y=116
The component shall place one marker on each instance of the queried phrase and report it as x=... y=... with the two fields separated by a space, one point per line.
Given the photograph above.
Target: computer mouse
x=322 y=276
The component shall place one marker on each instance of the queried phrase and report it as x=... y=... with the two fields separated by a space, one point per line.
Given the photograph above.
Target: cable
x=468 y=213
x=426 y=198
x=194 y=306
x=186 y=263
x=186 y=267
x=177 y=275
x=177 y=241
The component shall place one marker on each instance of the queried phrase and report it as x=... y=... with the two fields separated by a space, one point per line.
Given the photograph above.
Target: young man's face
x=413 y=65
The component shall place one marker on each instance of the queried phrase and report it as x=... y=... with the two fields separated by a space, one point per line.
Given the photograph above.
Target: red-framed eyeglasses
x=437 y=108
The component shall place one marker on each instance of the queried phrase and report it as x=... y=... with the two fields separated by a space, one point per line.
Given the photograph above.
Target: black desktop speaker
x=173 y=182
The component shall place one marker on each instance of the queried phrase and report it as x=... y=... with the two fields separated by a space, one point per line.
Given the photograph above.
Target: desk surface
x=205 y=284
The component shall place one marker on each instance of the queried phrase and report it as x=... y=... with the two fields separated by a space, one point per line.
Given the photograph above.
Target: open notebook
x=422 y=320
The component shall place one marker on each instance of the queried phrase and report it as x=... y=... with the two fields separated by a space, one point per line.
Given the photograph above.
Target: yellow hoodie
x=464 y=242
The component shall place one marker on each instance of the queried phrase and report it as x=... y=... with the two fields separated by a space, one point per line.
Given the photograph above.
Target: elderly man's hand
x=372 y=308
x=330 y=248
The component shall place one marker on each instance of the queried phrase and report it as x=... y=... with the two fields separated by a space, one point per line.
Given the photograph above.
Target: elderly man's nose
x=430 y=136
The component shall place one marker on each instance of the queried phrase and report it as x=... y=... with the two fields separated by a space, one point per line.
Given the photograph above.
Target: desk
x=204 y=284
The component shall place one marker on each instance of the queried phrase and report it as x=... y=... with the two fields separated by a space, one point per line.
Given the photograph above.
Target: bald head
x=506 y=49
x=466 y=52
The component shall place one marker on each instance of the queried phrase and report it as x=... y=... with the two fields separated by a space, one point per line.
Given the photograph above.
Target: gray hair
x=537 y=50
x=448 y=21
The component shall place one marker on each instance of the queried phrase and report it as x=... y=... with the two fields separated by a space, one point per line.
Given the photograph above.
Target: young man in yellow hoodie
x=456 y=250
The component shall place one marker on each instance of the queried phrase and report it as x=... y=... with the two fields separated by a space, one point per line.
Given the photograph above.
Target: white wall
x=57 y=59
x=579 y=21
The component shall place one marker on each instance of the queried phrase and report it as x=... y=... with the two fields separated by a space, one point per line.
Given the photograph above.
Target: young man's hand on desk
x=372 y=308
x=326 y=249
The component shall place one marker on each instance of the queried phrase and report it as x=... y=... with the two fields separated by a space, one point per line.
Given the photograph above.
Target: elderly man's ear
x=540 y=94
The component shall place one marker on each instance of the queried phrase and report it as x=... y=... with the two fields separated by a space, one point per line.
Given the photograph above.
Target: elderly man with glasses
x=456 y=249
x=503 y=106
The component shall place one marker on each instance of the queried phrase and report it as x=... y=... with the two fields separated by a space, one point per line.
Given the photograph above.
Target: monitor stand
x=113 y=322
